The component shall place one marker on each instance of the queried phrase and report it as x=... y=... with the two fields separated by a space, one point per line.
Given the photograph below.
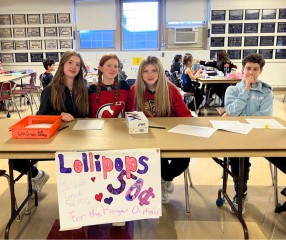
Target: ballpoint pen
x=157 y=127
x=62 y=128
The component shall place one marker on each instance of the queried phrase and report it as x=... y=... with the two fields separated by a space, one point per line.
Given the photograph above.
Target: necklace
x=109 y=88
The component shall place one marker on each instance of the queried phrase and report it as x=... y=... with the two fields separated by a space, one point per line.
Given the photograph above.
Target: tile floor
x=206 y=220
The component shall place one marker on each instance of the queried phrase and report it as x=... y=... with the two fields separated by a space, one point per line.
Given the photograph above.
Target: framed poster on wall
x=50 y=32
x=5 y=19
x=266 y=53
x=251 y=14
x=234 y=28
x=63 y=18
x=37 y=57
x=250 y=41
x=217 y=41
x=33 y=19
x=19 y=32
x=34 y=32
x=251 y=28
x=282 y=13
x=280 y=54
x=49 y=18
x=236 y=14
x=65 y=31
x=267 y=41
x=53 y=55
x=218 y=28
x=7 y=57
x=5 y=33
x=218 y=15
x=21 y=57
x=281 y=41
x=7 y=45
x=66 y=44
x=21 y=45
x=35 y=45
x=247 y=52
x=281 y=27
x=234 y=41
x=51 y=44
x=19 y=19
x=234 y=54
x=268 y=27
x=268 y=13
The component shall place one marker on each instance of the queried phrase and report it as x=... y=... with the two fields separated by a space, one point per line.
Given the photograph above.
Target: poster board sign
x=34 y=32
x=65 y=31
x=51 y=44
x=5 y=33
x=66 y=44
x=21 y=45
x=19 y=32
x=35 y=44
x=63 y=18
x=108 y=186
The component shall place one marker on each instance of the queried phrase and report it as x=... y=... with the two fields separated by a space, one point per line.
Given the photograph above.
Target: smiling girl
x=107 y=99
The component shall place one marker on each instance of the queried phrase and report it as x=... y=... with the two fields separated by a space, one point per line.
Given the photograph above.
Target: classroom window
x=96 y=39
x=140 y=25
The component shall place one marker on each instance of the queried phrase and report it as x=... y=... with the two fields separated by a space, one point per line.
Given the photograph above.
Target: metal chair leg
x=187 y=197
x=189 y=177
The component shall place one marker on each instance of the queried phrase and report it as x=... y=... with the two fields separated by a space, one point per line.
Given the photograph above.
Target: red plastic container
x=20 y=130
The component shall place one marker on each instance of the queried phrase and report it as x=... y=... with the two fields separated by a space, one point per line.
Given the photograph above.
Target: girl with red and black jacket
x=108 y=98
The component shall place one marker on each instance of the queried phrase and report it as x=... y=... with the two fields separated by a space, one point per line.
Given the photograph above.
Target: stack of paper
x=232 y=126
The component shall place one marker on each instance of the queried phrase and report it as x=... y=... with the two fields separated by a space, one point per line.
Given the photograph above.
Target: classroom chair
x=187 y=183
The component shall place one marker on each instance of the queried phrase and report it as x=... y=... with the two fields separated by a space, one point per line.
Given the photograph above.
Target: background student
x=121 y=74
x=47 y=76
x=157 y=97
x=189 y=83
x=221 y=63
x=67 y=95
x=250 y=97
x=108 y=98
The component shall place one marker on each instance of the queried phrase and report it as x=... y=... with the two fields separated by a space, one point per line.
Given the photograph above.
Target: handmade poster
x=108 y=186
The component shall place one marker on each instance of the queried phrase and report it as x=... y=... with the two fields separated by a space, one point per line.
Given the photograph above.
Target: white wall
x=274 y=72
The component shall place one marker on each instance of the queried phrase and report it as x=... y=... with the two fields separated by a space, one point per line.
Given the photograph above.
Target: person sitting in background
x=47 y=76
x=176 y=64
x=2 y=70
x=189 y=83
x=121 y=74
x=221 y=63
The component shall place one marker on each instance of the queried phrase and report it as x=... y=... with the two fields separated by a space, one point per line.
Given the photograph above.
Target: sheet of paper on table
x=88 y=125
x=232 y=126
x=193 y=130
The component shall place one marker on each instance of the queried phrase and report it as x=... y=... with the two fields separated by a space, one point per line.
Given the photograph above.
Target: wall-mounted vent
x=186 y=35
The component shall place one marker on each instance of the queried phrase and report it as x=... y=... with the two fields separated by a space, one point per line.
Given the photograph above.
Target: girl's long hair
x=116 y=86
x=162 y=98
x=80 y=91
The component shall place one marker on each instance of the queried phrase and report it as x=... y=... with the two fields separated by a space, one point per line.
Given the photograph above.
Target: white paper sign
x=108 y=186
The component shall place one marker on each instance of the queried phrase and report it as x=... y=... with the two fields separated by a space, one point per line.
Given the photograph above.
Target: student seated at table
x=67 y=95
x=176 y=64
x=108 y=98
x=189 y=83
x=157 y=97
x=250 y=97
x=221 y=63
x=47 y=76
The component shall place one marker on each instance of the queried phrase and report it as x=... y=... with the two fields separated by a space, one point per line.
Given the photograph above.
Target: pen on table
x=62 y=128
x=157 y=127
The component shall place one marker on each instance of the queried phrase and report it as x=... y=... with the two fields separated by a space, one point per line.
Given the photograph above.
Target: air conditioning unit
x=186 y=35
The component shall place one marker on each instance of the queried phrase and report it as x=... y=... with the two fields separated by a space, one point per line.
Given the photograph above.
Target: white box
x=137 y=122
